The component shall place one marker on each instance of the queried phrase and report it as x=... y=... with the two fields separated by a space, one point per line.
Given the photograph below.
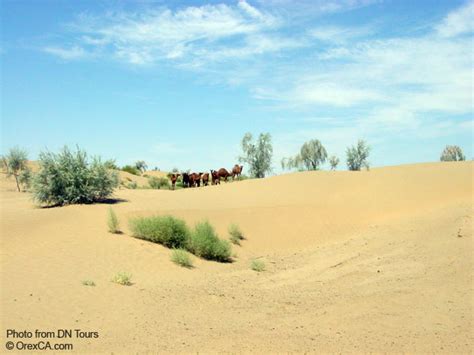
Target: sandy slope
x=357 y=261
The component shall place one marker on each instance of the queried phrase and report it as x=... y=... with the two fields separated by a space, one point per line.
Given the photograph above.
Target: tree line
x=71 y=177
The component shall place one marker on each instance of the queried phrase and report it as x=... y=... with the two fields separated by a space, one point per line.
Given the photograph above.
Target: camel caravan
x=195 y=179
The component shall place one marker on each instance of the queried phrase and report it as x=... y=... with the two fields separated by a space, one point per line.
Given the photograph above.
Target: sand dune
x=356 y=261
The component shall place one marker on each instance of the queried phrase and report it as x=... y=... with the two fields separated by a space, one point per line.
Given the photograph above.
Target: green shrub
x=25 y=178
x=257 y=265
x=111 y=164
x=234 y=231
x=131 y=169
x=68 y=178
x=132 y=185
x=234 y=240
x=113 y=222
x=159 y=183
x=88 y=283
x=166 y=230
x=181 y=257
x=205 y=243
x=122 y=278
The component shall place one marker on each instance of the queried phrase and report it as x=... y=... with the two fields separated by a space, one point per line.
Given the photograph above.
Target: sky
x=179 y=83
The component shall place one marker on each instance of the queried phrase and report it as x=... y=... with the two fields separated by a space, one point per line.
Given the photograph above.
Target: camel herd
x=194 y=179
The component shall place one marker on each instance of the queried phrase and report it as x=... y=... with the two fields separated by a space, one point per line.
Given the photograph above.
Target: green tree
x=357 y=156
x=452 y=153
x=312 y=154
x=258 y=155
x=141 y=165
x=334 y=161
x=15 y=164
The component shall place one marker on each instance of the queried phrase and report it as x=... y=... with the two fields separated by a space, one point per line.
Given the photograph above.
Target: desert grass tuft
x=205 y=243
x=88 y=283
x=257 y=265
x=181 y=257
x=113 y=222
x=235 y=232
x=122 y=278
x=167 y=230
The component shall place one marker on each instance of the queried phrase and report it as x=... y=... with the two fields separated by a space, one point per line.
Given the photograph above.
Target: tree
x=311 y=155
x=452 y=153
x=357 y=156
x=258 y=155
x=15 y=164
x=334 y=161
x=141 y=165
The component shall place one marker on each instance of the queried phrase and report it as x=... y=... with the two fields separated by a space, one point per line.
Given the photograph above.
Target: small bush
x=166 y=230
x=257 y=265
x=68 y=178
x=234 y=231
x=132 y=185
x=122 y=278
x=110 y=164
x=88 y=283
x=234 y=240
x=131 y=169
x=205 y=243
x=113 y=222
x=181 y=257
x=159 y=183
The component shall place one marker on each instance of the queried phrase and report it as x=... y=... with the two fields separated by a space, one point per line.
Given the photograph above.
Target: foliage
x=311 y=155
x=68 y=178
x=15 y=164
x=357 y=156
x=181 y=257
x=132 y=185
x=141 y=166
x=122 y=278
x=257 y=265
x=167 y=230
x=452 y=153
x=159 y=183
x=334 y=161
x=88 y=283
x=235 y=232
x=258 y=155
x=234 y=240
x=131 y=169
x=205 y=243
x=112 y=221
x=111 y=164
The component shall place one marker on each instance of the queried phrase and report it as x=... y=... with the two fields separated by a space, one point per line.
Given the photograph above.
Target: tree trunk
x=17 y=185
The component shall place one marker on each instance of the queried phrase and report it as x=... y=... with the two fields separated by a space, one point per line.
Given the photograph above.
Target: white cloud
x=458 y=22
x=337 y=34
x=74 y=52
x=191 y=35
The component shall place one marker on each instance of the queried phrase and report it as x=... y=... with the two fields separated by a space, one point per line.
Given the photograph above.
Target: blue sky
x=178 y=83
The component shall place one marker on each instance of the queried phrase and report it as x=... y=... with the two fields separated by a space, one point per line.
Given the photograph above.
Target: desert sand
x=371 y=261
